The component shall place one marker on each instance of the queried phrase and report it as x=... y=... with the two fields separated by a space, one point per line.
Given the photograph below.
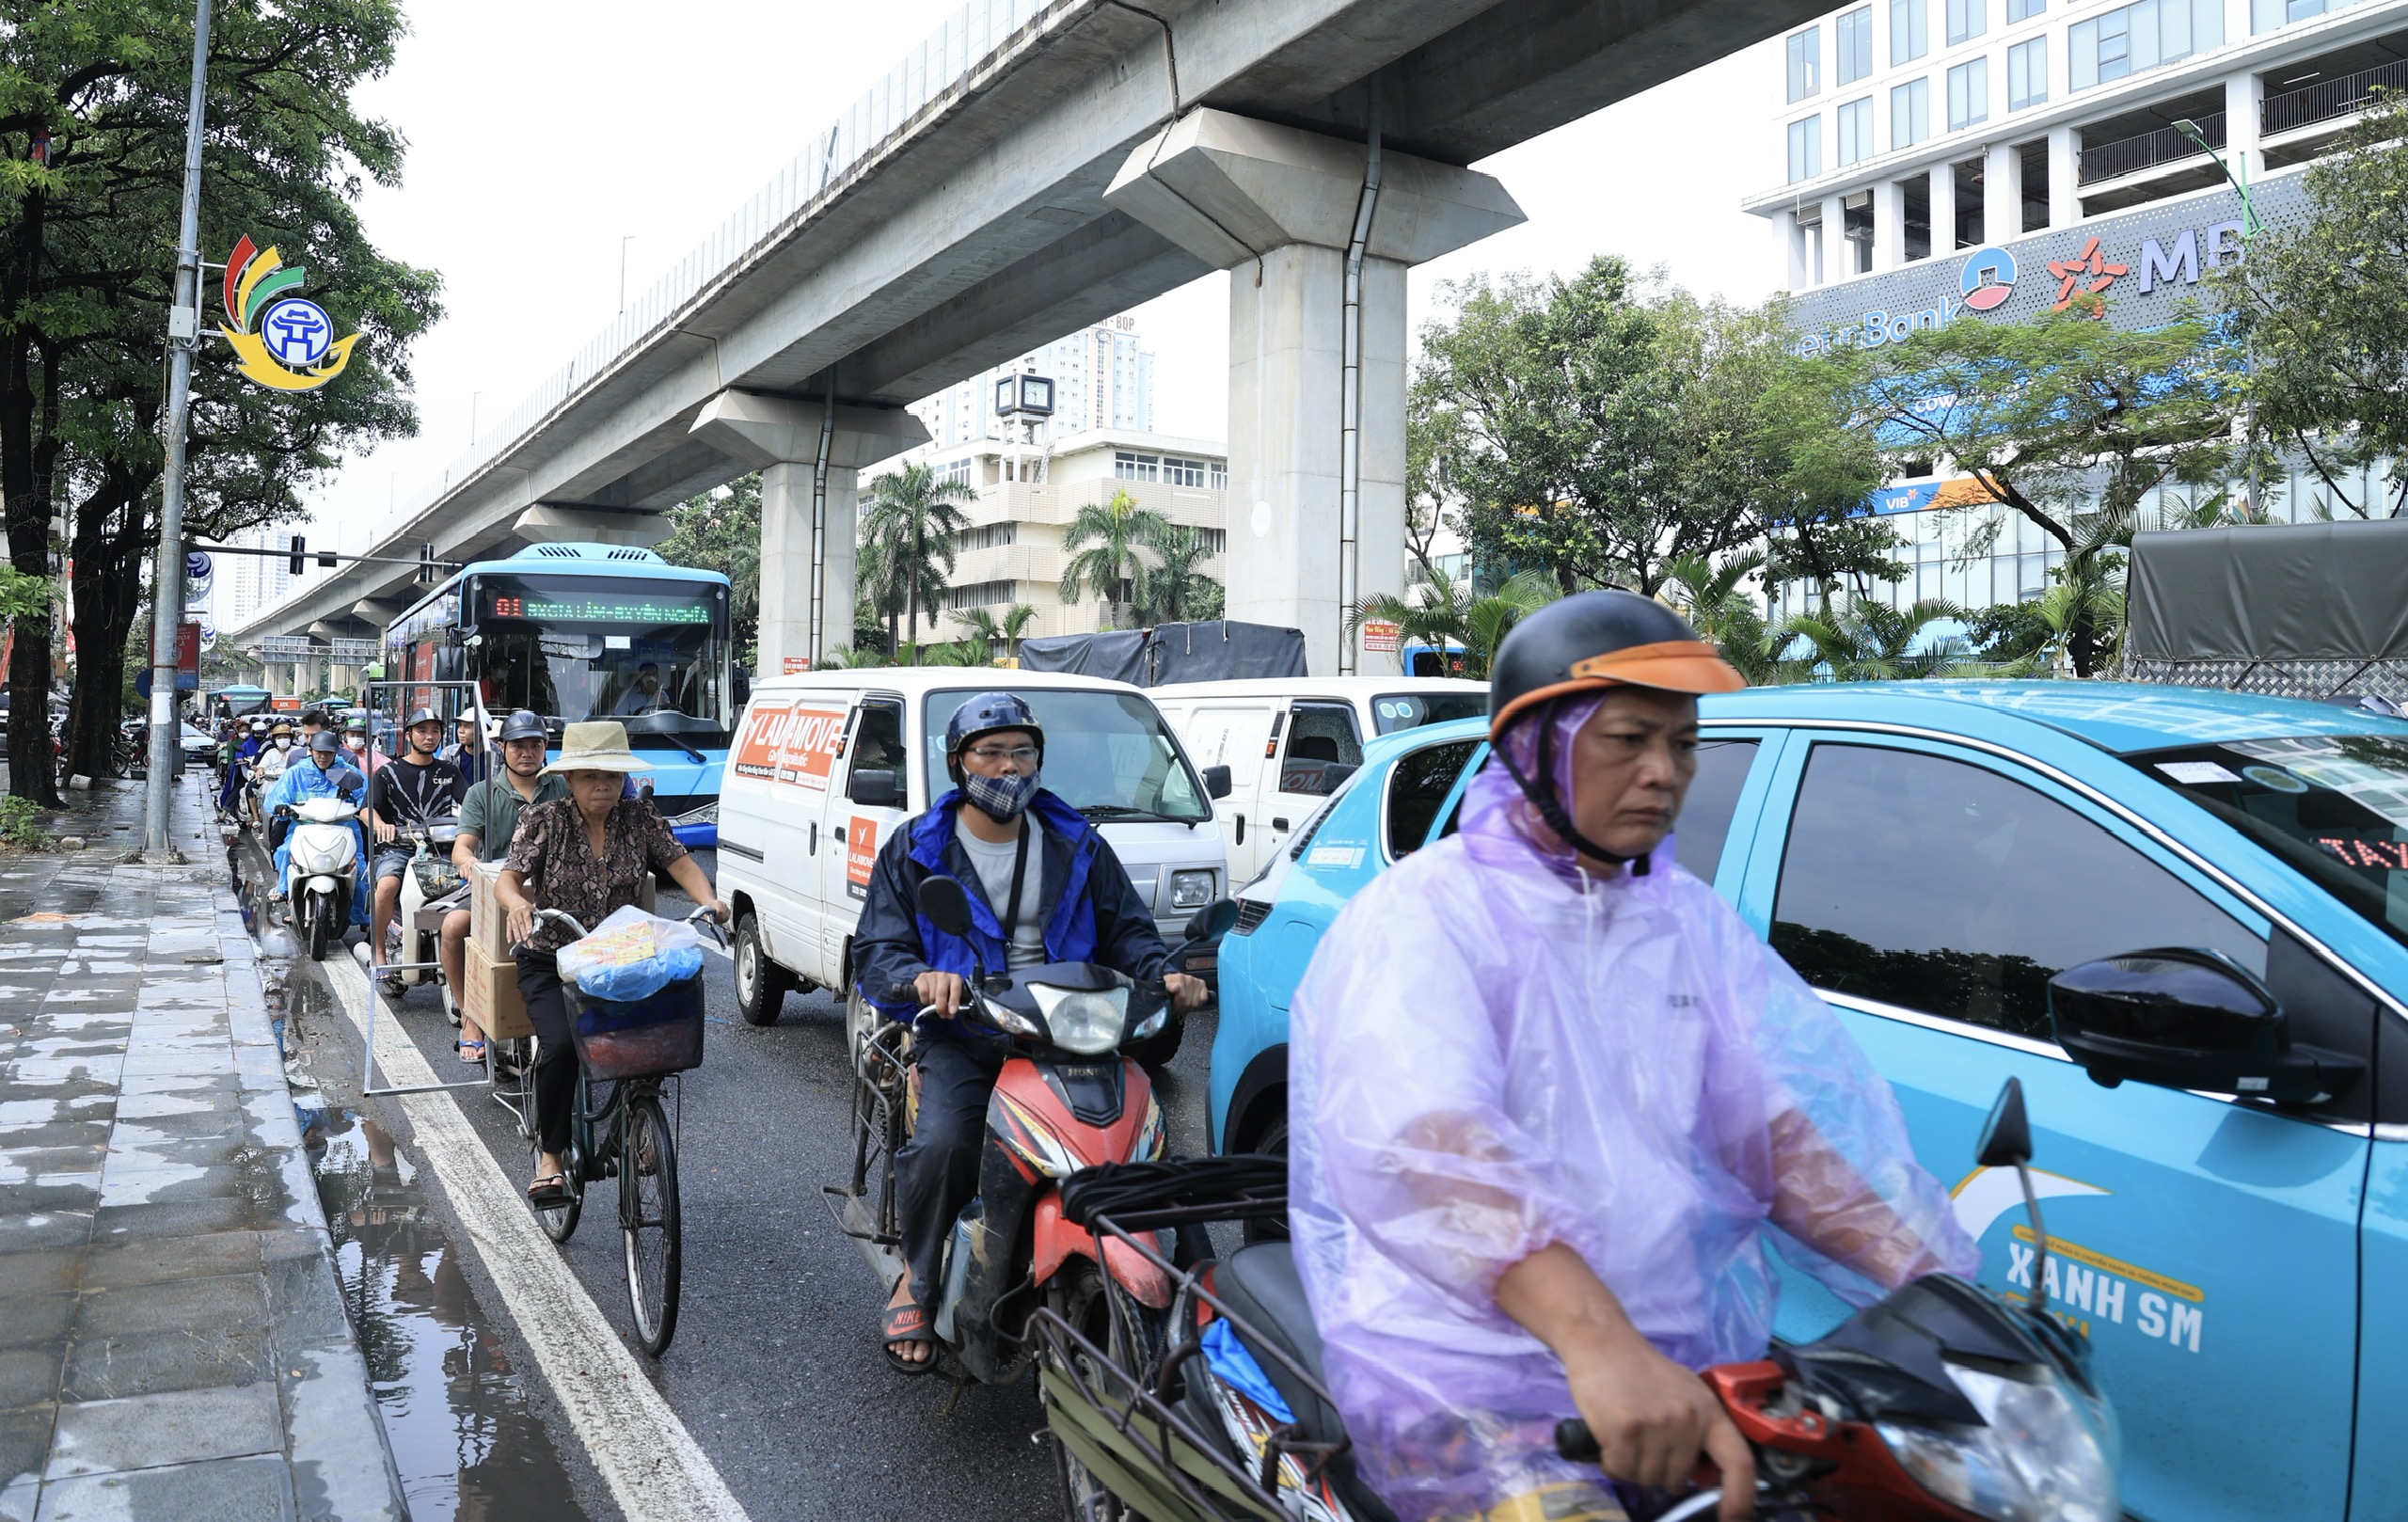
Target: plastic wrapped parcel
x=1495 y=1050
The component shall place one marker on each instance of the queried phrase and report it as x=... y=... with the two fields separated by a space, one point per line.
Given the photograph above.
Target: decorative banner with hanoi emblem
x=283 y=340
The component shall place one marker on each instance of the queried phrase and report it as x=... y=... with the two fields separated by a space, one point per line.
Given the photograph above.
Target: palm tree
x=1872 y=642
x=1110 y=564
x=1445 y=612
x=1175 y=590
x=1709 y=597
x=913 y=519
x=988 y=631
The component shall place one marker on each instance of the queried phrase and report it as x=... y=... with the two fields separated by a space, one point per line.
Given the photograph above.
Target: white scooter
x=322 y=867
x=431 y=883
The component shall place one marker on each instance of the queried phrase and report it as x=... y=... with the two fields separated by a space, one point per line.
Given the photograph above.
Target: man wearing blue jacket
x=324 y=774
x=1043 y=887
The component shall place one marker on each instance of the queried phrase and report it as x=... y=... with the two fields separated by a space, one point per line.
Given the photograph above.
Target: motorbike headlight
x=2047 y=1453
x=1088 y=1023
x=1191 y=890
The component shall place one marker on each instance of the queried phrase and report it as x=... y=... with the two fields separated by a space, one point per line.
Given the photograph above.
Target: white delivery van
x=828 y=764
x=1288 y=741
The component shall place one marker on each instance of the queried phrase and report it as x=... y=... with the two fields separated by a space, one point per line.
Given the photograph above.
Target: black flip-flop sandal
x=905 y=1323
x=549 y=1192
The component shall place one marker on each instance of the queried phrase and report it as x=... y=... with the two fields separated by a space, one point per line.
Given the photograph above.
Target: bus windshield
x=1106 y=755
x=651 y=653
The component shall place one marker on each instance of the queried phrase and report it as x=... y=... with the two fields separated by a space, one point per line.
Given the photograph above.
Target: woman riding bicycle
x=585 y=855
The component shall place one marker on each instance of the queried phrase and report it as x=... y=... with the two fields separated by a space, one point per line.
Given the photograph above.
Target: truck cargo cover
x=2287 y=591
x=1216 y=652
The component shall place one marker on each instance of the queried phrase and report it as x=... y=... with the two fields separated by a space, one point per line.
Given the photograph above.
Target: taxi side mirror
x=2183 y=1017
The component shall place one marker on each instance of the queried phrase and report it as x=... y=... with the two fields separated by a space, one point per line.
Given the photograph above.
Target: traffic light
x=425 y=565
x=298 y=559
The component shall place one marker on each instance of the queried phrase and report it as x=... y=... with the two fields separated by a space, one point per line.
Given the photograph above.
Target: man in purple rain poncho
x=1550 y=1097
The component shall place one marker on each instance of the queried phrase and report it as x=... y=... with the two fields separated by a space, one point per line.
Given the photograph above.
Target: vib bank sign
x=1991 y=277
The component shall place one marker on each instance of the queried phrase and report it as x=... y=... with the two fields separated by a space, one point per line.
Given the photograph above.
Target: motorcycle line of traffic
x=1182 y=1385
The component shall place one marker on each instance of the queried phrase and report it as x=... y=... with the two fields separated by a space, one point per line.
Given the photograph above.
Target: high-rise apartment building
x=241 y=585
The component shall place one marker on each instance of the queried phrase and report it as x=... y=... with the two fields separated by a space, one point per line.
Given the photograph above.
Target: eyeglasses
x=1025 y=754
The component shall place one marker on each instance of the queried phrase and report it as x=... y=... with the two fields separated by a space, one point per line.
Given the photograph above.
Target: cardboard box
x=487 y=924
x=491 y=999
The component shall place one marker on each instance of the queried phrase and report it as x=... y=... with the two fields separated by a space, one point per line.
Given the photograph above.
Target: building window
x=1215 y=541
x=1856 y=44
x=1181 y=472
x=1909 y=30
x=1969 y=93
x=2266 y=15
x=2024 y=9
x=1129 y=466
x=1909 y=113
x=1805 y=62
x=2135 y=39
x=1856 y=130
x=990 y=536
x=2027 y=74
x=1805 y=149
x=1967 y=19
x=979 y=595
x=955 y=470
x=1218 y=476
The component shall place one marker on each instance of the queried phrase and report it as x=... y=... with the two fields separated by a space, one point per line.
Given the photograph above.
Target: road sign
x=287 y=647
x=197 y=565
x=352 y=652
x=796 y=663
x=188 y=650
x=186 y=681
x=1379 y=634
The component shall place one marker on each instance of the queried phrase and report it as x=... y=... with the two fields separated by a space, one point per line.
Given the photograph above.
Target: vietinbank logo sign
x=1988 y=277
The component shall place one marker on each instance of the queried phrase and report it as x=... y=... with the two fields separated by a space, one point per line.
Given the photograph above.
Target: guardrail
x=2130 y=155
x=2330 y=98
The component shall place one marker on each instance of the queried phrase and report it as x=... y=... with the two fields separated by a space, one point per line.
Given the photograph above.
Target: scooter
x=1067 y=1098
x=322 y=864
x=428 y=891
x=1942 y=1401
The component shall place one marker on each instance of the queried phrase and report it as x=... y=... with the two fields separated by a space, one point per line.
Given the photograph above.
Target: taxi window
x=1418 y=786
x=1704 y=823
x=1941 y=886
x=2333 y=806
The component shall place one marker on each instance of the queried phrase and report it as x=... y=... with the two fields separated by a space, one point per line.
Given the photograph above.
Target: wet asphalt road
x=776 y=1369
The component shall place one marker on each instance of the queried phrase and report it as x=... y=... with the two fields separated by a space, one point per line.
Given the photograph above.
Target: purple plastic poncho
x=1494 y=1050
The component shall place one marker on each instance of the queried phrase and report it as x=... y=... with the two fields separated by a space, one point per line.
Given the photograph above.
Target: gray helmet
x=326 y=739
x=422 y=715
x=524 y=724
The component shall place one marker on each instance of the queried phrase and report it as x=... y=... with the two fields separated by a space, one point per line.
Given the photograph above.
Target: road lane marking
x=652 y=1465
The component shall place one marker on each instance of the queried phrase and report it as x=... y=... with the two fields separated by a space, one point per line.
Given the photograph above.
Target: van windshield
x=2334 y=806
x=1106 y=755
x=1392 y=711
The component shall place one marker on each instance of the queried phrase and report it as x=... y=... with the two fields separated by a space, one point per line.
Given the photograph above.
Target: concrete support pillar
x=1277 y=206
x=2002 y=195
x=1790 y=254
x=1889 y=224
x=1839 y=260
x=2243 y=97
x=780 y=437
x=1943 y=210
x=2065 y=181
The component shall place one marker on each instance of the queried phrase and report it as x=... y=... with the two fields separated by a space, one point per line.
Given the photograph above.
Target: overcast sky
x=547 y=138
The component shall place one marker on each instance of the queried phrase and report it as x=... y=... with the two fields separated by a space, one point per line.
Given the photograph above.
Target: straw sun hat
x=600 y=745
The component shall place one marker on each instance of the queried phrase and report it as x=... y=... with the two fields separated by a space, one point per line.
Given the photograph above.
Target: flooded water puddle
x=455 y=1408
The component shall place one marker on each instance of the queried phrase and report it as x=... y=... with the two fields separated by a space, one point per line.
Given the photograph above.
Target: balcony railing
x=2131 y=155
x=2330 y=98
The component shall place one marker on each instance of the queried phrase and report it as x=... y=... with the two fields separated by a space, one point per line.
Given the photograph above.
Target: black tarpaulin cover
x=2287 y=591
x=1216 y=652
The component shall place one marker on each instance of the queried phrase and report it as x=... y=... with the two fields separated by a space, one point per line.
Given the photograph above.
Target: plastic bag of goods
x=631 y=956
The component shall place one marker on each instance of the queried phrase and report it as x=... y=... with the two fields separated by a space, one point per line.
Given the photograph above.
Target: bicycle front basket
x=638 y=1038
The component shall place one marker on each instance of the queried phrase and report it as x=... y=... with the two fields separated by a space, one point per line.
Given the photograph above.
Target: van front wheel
x=761 y=985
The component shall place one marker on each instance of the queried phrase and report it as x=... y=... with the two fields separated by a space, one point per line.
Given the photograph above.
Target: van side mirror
x=1217 y=781
x=2007 y=1135
x=874 y=789
x=2181 y=1017
x=945 y=904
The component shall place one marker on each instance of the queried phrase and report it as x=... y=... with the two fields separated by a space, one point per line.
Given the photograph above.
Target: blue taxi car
x=1928 y=856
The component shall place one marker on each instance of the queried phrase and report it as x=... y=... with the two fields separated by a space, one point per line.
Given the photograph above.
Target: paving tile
x=227 y=1300
x=18 y=1500
x=30 y=1376
x=24 y=1437
x=49 y=1228
x=182 y=1217
x=36 y=1200
x=41 y=1272
x=146 y=1432
x=180 y=1358
x=305 y=1303
x=162 y=1260
x=217 y=1490
x=32 y=1320
x=70 y=1129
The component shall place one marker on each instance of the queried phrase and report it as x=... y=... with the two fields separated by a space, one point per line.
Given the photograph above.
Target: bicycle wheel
x=558 y=1221
x=648 y=1216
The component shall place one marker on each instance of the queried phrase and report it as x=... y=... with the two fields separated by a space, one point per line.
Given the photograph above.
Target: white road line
x=652 y=1465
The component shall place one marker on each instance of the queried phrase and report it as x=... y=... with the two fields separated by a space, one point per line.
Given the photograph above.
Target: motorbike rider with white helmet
x=1551 y=1099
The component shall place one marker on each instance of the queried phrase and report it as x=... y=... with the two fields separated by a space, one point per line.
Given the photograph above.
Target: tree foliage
x=1444 y=612
x=92 y=103
x=1103 y=543
x=909 y=530
x=720 y=531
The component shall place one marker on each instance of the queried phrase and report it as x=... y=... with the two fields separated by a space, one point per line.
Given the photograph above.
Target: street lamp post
x=168 y=575
x=2249 y=228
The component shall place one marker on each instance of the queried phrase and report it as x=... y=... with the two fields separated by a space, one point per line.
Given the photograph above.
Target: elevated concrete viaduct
x=1036 y=167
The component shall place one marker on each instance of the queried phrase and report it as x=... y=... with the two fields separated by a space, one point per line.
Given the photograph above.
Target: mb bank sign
x=2139 y=266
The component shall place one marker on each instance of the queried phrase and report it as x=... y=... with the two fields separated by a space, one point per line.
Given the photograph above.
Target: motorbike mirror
x=947 y=904
x=1213 y=920
x=2007 y=1135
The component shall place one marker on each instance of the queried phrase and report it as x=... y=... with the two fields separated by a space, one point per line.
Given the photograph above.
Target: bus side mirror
x=743 y=685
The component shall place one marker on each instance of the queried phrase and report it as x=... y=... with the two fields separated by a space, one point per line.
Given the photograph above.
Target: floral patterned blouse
x=549 y=850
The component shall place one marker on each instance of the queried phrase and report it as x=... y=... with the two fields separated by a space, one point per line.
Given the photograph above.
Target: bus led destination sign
x=597 y=609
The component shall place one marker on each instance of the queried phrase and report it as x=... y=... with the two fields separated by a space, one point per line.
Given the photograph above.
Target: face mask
x=356 y=742
x=284 y=742
x=999 y=798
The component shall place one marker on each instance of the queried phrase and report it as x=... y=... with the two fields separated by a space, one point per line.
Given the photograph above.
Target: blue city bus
x=578 y=631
